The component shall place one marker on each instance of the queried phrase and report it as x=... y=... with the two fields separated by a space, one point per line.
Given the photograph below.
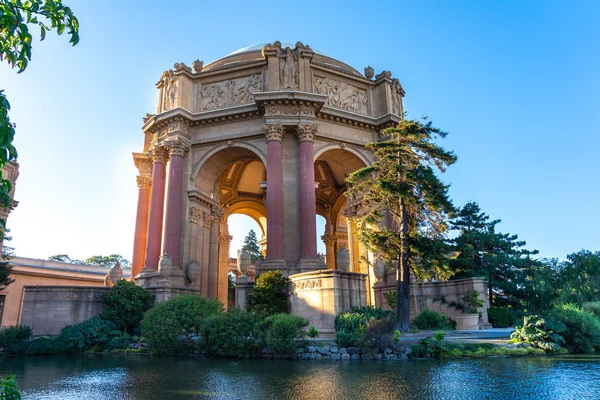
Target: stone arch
x=208 y=169
x=339 y=146
x=252 y=209
x=216 y=149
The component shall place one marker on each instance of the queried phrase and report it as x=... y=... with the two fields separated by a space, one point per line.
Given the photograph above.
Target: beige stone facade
x=29 y=272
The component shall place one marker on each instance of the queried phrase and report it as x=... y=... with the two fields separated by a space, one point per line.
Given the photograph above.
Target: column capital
x=273 y=132
x=306 y=132
x=209 y=219
x=158 y=154
x=177 y=146
x=143 y=163
x=328 y=239
x=144 y=182
x=196 y=216
x=225 y=240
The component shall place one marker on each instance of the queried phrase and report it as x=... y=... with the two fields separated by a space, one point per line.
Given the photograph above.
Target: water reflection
x=93 y=377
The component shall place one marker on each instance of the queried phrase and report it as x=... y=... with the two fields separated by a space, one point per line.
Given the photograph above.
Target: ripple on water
x=165 y=378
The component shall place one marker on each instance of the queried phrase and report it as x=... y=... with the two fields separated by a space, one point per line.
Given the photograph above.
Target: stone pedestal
x=243 y=286
x=320 y=296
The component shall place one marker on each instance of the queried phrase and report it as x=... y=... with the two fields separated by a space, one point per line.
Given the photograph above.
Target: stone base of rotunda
x=310 y=264
x=319 y=296
x=165 y=287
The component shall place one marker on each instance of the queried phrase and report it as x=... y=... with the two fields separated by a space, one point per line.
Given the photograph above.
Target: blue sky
x=516 y=84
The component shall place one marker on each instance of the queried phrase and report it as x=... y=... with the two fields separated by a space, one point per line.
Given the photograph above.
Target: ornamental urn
x=343 y=259
x=243 y=262
x=379 y=269
x=164 y=265
x=193 y=271
x=369 y=72
x=116 y=273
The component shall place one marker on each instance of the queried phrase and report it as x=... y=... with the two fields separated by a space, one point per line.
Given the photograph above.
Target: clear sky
x=516 y=83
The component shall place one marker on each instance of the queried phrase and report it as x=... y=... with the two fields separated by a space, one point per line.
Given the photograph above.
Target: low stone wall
x=438 y=296
x=48 y=309
x=352 y=353
x=321 y=295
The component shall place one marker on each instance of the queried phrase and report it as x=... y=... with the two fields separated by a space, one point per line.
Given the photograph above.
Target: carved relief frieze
x=341 y=95
x=69 y=295
x=229 y=93
x=308 y=284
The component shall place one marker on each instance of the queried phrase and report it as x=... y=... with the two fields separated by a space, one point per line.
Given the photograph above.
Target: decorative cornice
x=158 y=154
x=196 y=197
x=273 y=132
x=306 y=132
x=143 y=163
x=144 y=182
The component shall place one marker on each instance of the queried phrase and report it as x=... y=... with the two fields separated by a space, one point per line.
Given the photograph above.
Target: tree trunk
x=403 y=278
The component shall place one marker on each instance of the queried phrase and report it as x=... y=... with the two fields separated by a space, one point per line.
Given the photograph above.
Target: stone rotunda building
x=270 y=132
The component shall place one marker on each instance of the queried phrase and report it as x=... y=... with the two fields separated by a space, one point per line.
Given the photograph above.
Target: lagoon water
x=92 y=377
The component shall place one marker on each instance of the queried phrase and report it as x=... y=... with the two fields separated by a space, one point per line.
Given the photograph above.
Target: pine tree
x=407 y=204
x=500 y=258
x=251 y=245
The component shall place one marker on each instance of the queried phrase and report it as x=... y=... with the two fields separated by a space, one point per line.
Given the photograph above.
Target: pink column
x=274 y=134
x=141 y=225
x=308 y=202
x=174 y=203
x=155 y=218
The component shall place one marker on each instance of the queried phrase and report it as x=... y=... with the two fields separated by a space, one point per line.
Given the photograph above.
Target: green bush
x=431 y=346
x=125 y=305
x=13 y=335
x=233 y=334
x=173 y=325
x=582 y=334
x=44 y=345
x=269 y=295
x=350 y=326
x=500 y=317
x=431 y=320
x=312 y=332
x=281 y=332
x=9 y=389
x=92 y=333
x=121 y=341
x=543 y=333
x=592 y=307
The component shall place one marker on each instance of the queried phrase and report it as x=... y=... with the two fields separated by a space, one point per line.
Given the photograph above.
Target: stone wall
x=48 y=309
x=320 y=296
x=439 y=297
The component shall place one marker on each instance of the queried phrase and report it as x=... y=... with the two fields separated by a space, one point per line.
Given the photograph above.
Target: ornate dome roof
x=251 y=54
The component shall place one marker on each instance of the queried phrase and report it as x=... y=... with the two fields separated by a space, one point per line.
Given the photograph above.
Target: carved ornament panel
x=229 y=93
x=341 y=95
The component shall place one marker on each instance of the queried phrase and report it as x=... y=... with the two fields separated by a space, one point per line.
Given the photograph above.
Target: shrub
x=378 y=333
x=281 y=332
x=94 y=332
x=431 y=320
x=540 y=332
x=312 y=332
x=13 y=335
x=269 y=295
x=44 y=345
x=233 y=334
x=472 y=301
x=500 y=317
x=431 y=346
x=593 y=308
x=172 y=325
x=9 y=389
x=125 y=305
x=121 y=341
x=582 y=334
x=350 y=326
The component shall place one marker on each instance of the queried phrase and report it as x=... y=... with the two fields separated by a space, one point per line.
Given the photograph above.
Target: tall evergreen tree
x=251 y=245
x=407 y=204
x=482 y=252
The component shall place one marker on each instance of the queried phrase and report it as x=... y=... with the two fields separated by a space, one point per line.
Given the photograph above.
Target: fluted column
x=177 y=149
x=308 y=204
x=213 y=257
x=274 y=135
x=157 y=200
x=351 y=243
x=141 y=225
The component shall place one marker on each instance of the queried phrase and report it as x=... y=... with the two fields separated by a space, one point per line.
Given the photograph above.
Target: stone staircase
x=451 y=311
